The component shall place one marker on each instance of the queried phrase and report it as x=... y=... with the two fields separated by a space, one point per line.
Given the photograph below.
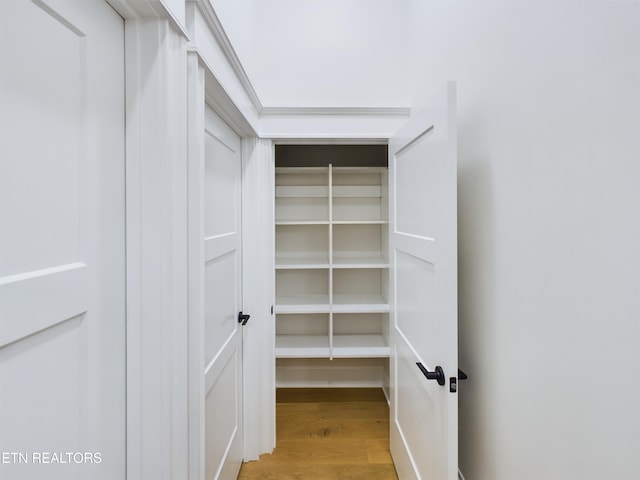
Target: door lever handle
x=242 y=318
x=438 y=374
x=462 y=375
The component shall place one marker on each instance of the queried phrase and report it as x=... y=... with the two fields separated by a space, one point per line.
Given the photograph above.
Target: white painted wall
x=549 y=227
x=321 y=52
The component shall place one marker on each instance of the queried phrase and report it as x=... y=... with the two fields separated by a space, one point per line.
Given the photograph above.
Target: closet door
x=62 y=241
x=423 y=241
x=222 y=376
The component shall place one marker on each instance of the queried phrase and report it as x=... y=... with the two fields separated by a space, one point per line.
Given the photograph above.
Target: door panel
x=220 y=179
x=62 y=250
x=222 y=413
x=416 y=414
x=423 y=242
x=417 y=183
x=222 y=300
x=220 y=303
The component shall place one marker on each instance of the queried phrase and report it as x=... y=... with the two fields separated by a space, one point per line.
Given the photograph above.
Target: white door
x=223 y=300
x=62 y=241
x=423 y=239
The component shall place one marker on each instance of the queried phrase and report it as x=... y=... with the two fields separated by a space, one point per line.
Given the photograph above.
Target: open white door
x=423 y=240
x=222 y=380
x=62 y=241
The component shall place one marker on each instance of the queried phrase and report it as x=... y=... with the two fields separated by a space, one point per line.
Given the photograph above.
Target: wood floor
x=327 y=434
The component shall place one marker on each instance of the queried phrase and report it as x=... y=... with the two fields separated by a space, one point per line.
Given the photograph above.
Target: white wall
x=320 y=53
x=549 y=229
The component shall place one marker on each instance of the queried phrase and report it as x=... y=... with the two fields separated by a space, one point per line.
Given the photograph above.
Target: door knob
x=437 y=375
x=242 y=318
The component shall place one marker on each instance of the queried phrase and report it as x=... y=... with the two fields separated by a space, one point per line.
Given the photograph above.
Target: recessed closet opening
x=331 y=266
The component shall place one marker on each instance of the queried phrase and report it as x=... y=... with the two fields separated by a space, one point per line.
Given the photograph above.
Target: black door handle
x=243 y=319
x=437 y=375
x=462 y=375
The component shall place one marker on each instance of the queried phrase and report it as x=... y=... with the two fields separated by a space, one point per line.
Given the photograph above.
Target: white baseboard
x=460 y=476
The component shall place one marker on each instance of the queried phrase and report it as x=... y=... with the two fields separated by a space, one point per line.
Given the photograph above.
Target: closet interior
x=331 y=266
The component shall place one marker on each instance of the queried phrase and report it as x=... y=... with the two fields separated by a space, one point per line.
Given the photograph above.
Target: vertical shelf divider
x=330 y=200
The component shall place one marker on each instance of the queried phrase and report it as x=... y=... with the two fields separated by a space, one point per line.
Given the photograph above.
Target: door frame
x=204 y=89
x=156 y=251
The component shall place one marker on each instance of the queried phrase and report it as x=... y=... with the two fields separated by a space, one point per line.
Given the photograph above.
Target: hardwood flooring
x=327 y=434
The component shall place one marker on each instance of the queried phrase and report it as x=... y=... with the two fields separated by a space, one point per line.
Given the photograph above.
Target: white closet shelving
x=331 y=262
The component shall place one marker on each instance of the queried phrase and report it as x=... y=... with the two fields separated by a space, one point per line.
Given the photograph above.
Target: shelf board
x=302 y=191
x=302 y=222
x=303 y=304
x=360 y=346
x=364 y=262
x=344 y=346
x=357 y=191
x=302 y=346
x=300 y=263
x=364 y=169
x=303 y=170
x=360 y=222
x=359 y=304
x=341 y=304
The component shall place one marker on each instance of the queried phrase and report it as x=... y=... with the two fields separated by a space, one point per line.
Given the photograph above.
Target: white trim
x=460 y=476
x=343 y=124
x=219 y=99
x=156 y=209
x=336 y=111
x=330 y=141
x=195 y=162
x=137 y=10
x=20 y=277
x=222 y=39
x=257 y=274
x=225 y=92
